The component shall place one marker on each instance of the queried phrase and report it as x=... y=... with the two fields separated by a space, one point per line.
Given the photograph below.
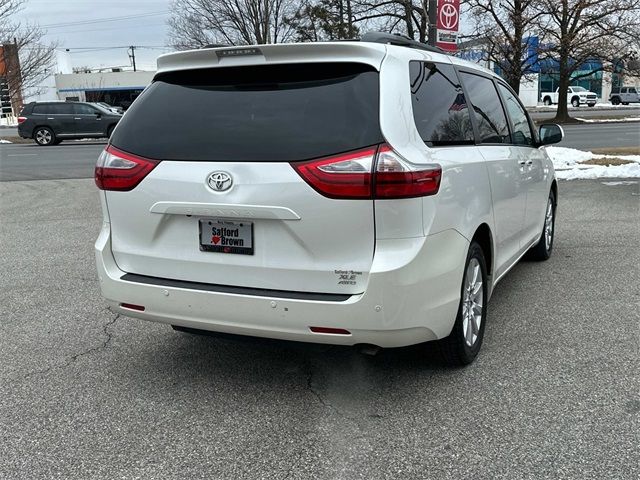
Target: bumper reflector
x=333 y=331
x=131 y=306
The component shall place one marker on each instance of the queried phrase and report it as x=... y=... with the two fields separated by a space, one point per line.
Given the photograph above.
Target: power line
x=118 y=27
x=103 y=20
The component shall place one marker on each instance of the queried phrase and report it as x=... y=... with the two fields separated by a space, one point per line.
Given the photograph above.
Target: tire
x=44 y=136
x=592 y=104
x=460 y=347
x=615 y=101
x=547 y=101
x=575 y=102
x=625 y=103
x=57 y=142
x=542 y=250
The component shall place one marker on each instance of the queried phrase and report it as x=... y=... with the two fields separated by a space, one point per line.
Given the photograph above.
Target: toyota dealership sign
x=448 y=23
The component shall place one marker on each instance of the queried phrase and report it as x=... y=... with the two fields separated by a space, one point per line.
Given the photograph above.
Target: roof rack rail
x=398 y=39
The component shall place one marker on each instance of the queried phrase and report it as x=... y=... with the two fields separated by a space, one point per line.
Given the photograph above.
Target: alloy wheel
x=43 y=137
x=548 y=225
x=472 y=302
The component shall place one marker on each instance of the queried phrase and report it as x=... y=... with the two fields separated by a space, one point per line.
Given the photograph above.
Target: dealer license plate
x=225 y=236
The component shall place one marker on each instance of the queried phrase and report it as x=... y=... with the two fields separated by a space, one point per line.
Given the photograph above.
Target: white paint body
x=408 y=255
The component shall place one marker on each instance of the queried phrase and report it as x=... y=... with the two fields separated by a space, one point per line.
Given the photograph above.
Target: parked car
x=624 y=95
x=576 y=96
x=352 y=193
x=49 y=123
x=112 y=108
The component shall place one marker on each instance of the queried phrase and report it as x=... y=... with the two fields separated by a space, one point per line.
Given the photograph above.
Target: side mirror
x=551 y=133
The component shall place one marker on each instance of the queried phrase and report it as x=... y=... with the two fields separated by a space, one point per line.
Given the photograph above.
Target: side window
x=439 y=107
x=60 y=109
x=521 y=129
x=40 y=109
x=80 y=109
x=487 y=109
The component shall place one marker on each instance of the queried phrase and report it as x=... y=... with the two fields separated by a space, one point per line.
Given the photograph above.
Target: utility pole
x=132 y=56
x=433 y=22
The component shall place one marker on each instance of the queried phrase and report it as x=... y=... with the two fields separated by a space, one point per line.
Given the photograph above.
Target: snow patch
x=568 y=163
x=4 y=141
x=608 y=120
x=621 y=182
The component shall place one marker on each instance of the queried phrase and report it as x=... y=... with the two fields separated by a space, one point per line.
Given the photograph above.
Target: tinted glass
x=263 y=113
x=439 y=106
x=54 y=109
x=488 y=112
x=80 y=109
x=521 y=130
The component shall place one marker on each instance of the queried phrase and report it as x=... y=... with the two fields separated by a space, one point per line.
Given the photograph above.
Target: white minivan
x=365 y=192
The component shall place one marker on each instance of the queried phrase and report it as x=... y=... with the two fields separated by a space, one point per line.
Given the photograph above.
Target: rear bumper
x=24 y=132
x=412 y=297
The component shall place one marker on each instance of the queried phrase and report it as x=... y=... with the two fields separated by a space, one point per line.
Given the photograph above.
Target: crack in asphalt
x=75 y=356
x=326 y=403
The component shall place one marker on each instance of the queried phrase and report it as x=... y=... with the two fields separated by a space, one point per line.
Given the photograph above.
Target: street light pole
x=433 y=21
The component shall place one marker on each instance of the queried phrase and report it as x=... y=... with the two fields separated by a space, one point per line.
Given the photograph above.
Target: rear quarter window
x=262 y=113
x=440 y=108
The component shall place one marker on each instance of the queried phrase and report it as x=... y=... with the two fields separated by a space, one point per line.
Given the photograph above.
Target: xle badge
x=347 y=277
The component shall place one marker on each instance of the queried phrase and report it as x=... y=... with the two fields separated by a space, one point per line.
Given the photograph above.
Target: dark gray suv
x=49 y=123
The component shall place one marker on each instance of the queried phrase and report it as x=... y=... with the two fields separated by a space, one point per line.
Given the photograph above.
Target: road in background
x=8 y=132
x=31 y=162
x=89 y=394
x=586 y=112
x=601 y=135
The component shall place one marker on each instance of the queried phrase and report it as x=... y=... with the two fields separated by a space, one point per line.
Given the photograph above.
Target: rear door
x=531 y=161
x=57 y=116
x=226 y=138
x=508 y=189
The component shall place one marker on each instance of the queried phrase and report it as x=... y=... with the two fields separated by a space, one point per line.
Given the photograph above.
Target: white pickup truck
x=576 y=96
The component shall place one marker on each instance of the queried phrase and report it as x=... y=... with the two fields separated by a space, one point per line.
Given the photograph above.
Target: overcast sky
x=81 y=24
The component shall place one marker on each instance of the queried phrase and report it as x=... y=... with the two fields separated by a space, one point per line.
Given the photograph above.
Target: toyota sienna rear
x=284 y=191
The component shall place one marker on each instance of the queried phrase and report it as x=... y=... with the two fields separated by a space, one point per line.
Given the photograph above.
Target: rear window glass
x=439 y=106
x=262 y=113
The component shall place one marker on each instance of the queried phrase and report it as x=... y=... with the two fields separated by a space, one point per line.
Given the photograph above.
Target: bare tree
x=503 y=28
x=25 y=43
x=577 y=31
x=403 y=16
x=317 y=20
x=196 y=23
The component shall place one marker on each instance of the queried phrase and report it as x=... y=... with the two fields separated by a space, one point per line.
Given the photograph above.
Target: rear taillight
x=341 y=176
x=118 y=170
x=375 y=172
x=21 y=120
x=397 y=178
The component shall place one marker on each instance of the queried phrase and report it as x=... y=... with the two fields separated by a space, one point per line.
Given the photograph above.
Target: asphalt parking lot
x=86 y=394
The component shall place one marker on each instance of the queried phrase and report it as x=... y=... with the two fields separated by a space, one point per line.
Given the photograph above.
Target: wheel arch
x=484 y=238
x=554 y=189
x=575 y=97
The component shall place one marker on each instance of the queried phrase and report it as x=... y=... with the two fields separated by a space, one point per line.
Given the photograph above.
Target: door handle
x=521 y=162
x=529 y=162
x=77 y=118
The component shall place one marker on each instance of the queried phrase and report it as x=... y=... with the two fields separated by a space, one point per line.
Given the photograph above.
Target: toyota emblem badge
x=219 y=181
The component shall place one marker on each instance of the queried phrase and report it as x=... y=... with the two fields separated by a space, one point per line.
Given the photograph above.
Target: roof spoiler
x=372 y=37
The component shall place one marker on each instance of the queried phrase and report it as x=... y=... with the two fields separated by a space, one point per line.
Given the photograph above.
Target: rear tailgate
x=225 y=138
